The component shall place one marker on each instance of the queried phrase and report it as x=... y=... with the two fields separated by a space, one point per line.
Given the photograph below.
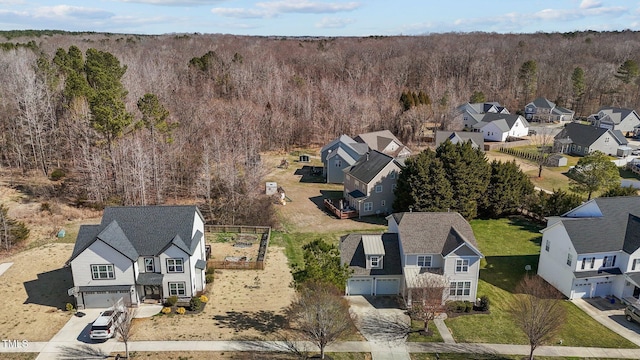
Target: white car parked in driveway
x=104 y=327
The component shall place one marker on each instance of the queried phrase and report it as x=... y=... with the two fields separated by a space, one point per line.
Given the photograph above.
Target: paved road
x=382 y=326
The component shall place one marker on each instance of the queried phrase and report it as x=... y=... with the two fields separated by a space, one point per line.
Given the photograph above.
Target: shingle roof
x=370 y=165
x=433 y=232
x=617 y=228
x=149 y=278
x=463 y=136
x=616 y=115
x=543 y=103
x=352 y=254
x=583 y=135
x=142 y=230
x=504 y=121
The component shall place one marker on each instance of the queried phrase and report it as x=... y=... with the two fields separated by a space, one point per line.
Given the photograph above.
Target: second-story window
x=148 y=264
x=462 y=265
x=378 y=188
x=175 y=265
x=424 y=261
x=569 y=259
x=609 y=261
x=375 y=261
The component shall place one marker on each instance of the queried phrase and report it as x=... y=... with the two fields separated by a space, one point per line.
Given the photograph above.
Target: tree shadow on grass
x=506 y=271
x=310 y=174
x=263 y=321
x=527 y=225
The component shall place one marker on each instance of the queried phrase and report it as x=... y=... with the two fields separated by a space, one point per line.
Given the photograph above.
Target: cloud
x=174 y=2
x=334 y=23
x=272 y=9
x=75 y=12
x=590 y=4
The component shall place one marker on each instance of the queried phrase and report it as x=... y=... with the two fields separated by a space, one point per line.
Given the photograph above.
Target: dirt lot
x=305 y=212
x=243 y=304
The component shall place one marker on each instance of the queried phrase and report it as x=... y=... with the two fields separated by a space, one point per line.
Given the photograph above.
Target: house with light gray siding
x=370 y=183
x=338 y=155
x=459 y=137
x=139 y=253
x=472 y=113
x=612 y=118
x=594 y=250
x=543 y=110
x=416 y=245
x=580 y=139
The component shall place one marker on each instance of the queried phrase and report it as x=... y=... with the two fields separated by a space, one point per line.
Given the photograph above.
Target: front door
x=152 y=292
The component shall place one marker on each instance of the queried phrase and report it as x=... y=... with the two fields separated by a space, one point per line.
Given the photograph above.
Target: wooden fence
x=258 y=264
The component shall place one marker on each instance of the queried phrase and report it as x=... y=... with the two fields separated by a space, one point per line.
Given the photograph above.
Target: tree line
x=132 y=119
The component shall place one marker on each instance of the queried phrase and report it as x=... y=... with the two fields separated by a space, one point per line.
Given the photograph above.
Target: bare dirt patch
x=35 y=289
x=305 y=212
x=243 y=304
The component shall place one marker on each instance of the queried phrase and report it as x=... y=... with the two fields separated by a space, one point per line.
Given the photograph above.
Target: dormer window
x=374 y=261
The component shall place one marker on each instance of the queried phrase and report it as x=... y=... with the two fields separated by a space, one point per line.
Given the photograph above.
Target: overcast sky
x=320 y=17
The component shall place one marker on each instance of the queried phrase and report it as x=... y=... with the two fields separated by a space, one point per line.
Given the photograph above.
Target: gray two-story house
x=416 y=245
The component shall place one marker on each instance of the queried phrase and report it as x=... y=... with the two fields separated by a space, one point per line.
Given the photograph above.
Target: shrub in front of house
x=459 y=306
x=195 y=304
x=171 y=301
x=209 y=278
x=181 y=310
x=166 y=310
x=484 y=303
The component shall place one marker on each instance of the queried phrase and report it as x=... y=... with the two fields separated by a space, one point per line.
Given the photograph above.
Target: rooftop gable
x=369 y=166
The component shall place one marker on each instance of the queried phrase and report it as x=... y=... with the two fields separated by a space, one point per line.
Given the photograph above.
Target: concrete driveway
x=379 y=318
x=611 y=316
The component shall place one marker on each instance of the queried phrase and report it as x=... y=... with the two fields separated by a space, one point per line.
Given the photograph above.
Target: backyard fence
x=242 y=263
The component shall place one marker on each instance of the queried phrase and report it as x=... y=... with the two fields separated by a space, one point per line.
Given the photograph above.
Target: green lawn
x=418 y=326
x=441 y=356
x=509 y=245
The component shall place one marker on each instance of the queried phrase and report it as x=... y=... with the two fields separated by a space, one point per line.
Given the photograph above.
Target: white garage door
x=581 y=291
x=359 y=286
x=102 y=299
x=387 y=286
x=603 y=288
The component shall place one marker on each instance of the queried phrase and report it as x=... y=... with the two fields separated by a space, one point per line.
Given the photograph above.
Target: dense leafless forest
x=229 y=98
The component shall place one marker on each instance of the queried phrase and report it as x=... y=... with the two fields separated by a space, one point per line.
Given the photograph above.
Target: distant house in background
x=456 y=137
x=385 y=142
x=543 y=110
x=579 y=139
x=499 y=127
x=473 y=113
x=338 y=155
x=370 y=183
x=625 y=120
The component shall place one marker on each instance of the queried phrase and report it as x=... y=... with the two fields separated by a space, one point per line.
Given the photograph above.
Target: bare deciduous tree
x=320 y=314
x=543 y=141
x=428 y=294
x=537 y=310
x=124 y=328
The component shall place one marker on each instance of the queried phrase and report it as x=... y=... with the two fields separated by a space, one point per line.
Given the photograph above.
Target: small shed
x=271 y=188
x=624 y=151
x=303 y=158
x=556 y=160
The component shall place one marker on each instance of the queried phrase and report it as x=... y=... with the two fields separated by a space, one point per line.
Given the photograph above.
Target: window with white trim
x=148 y=264
x=374 y=262
x=102 y=272
x=424 y=261
x=378 y=188
x=588 y=263
x=175 y=265
x=368 y=206
x=177 y=289
x=569 y=259
x=462 y=265
x=609 y=261
x=635 y=264
x=547 y=245
x=460 y=288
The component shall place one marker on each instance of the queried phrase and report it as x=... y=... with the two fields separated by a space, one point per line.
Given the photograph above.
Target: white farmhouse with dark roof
x=416 y=245
x=139 y=253
x=594 y=249
x=500 y=127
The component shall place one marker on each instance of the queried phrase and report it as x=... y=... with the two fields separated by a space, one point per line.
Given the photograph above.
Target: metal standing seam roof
x=372 y=244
